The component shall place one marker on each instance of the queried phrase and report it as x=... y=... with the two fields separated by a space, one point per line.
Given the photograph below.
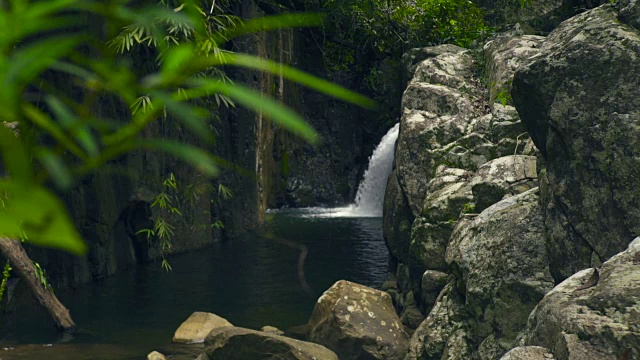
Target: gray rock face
x=580 y=100
x=449 y=192
x=503 y=56
x=592 y=317
x=528 y=353
x=397 y=219
x=500 y=256
x=505 y=176
x=358 y=322
x=240 y=343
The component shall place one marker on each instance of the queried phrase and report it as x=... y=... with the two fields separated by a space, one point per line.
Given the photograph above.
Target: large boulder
x=197 y=326
x=500 y=258
x=240 y=343
x=358 y=322
x=501 y=177
x=592 y=315
x=580 y=100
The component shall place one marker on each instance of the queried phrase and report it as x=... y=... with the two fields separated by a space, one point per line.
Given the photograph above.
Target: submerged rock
x=358 y=322
x=154 y=355
x=197 y=326
x=592 y=315
x=240 y=343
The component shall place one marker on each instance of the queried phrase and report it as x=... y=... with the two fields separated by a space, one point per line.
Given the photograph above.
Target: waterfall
x=371 y=191
x=370 y=195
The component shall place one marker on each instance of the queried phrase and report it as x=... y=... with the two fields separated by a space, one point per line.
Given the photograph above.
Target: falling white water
x=370 y=195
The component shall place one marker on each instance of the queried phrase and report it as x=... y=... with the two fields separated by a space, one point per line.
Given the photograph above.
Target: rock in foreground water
x=245 y=344
x=358 y=322
x=197 y=326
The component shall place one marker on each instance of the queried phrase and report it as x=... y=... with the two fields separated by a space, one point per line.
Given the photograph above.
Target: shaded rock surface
x=357 y=322
x=197 y=326
x=580 y=100
x=240 y=343
x=592 y=316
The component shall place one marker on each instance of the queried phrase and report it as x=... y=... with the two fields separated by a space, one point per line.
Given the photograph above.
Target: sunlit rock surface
x=358 y=322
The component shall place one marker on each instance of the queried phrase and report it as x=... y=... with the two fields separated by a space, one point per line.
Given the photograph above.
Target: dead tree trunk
x=22 y=264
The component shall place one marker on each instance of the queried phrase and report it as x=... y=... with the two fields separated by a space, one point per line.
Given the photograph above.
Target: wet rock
x=580 y=100
x=154 y=355
x=240 y=343
x=501 y=259
x=528 y=353
x=358 y=322
x=592 y=316
x=197 y=326
x=505 y=176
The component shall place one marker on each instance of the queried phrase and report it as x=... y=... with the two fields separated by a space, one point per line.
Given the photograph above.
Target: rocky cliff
x=515 y=169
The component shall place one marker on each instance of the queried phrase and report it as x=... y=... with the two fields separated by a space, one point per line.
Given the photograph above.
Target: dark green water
x=252 y=281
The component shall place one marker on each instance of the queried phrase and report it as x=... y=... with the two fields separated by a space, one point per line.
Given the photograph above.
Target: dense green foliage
x=390 y=28
x=61 y=138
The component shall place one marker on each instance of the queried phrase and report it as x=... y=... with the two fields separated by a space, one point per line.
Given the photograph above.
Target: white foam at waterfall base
x=370 y=195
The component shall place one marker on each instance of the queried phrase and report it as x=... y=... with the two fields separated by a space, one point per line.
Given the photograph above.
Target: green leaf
x=27 y=62
x=69 y=121
x=257 y=102
x=14 y=155
x=39 y=118
x=57 y=168
x=295 y=75
x=194 y=156
x=193 y=117
x=268 y=23
x=36 y=212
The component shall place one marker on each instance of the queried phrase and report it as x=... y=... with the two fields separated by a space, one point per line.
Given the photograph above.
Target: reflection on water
x=252 y=281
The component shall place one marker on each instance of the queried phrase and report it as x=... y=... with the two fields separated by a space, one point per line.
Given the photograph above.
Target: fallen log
x=13 y=251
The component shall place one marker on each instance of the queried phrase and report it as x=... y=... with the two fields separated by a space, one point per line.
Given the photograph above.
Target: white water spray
x=370 y=195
